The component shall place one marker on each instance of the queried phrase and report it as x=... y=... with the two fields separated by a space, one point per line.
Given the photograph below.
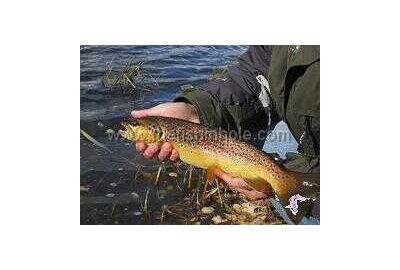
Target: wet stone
x=217 y=219
x=135 y=195
x=207 y=210
x=237 y=208
x=173 y=174
x=193 y=219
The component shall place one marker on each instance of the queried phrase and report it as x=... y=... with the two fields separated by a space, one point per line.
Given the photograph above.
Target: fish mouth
x=128 y=125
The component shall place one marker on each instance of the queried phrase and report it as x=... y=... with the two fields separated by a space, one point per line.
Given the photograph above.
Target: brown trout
x=209 y=149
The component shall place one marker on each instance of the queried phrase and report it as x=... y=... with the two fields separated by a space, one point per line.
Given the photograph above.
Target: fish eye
x=133 y=122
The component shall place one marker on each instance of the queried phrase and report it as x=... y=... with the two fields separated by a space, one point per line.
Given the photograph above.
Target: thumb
x=155 y=111
x=142 y=113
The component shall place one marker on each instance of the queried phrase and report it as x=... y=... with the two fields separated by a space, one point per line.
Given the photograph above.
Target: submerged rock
x=135 y=195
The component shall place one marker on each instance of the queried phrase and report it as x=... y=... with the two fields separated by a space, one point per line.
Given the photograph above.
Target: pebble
x=217 y=219
x=83 y=188
x=113 y=184
x=173 y=174
x=110 y=195
x=207 y=210
x=237 y=207
x=259 y=220
x=135 y=195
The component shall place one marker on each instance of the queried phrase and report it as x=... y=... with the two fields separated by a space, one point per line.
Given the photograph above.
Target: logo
x=293 y=206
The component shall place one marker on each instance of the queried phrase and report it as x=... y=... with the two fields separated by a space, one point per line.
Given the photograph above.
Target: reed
x=130 y=76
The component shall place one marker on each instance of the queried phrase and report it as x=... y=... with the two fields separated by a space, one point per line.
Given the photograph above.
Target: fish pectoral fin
x=214 y=172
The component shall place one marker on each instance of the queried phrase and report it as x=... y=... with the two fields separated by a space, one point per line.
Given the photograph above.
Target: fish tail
x=296 y=195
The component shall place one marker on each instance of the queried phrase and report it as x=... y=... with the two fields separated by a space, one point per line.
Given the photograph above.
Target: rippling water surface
x=175 y=65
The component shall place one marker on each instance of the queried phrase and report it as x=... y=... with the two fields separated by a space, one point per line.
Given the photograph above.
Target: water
x=107 y=180
x=176 y=65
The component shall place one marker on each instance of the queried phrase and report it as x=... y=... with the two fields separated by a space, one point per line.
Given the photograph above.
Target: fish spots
x=206 y=144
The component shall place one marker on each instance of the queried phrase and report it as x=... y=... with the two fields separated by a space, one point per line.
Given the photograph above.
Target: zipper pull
x=265 y=97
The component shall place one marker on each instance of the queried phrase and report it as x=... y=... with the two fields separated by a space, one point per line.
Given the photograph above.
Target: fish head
x=142 y=129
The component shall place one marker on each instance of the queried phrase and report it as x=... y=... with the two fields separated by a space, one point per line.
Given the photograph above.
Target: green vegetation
x=222 y=71
x=215 y=204
x=131 y=77
x=218 y=72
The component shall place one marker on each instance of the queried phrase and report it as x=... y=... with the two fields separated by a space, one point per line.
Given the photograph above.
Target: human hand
x=165 y=151
x=241 y=186
x=179 y=110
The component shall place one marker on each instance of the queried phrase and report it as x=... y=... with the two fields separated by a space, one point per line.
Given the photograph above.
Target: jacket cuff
x=206 y=106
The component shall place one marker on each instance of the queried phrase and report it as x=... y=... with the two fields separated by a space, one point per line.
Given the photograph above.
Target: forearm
x=232 y=102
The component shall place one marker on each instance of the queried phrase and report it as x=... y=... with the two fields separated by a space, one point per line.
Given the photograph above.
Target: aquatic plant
x=130 y=78
x=221 y=71
x=218 y=72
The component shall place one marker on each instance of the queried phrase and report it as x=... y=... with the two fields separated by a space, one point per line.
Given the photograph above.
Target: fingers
x=140 y=146
x=240 y=185
x=155 y=111
x=151 y=151
x=233 y=182
x=252 y=195
x=174 y=155
x=165 y=151
x=139 y=114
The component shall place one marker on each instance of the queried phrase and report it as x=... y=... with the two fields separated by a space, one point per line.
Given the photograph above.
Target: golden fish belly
x=253 y=174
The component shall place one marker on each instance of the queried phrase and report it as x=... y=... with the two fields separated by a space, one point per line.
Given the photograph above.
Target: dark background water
x=108 y=179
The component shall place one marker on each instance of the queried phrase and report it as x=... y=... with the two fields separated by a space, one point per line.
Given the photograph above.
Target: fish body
x=207 y=148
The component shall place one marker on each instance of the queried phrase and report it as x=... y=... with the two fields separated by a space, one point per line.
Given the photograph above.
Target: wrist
x=193 y=115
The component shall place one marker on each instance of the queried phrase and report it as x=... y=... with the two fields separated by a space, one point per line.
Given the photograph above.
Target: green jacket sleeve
x=232 y=102
x=208 y=107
